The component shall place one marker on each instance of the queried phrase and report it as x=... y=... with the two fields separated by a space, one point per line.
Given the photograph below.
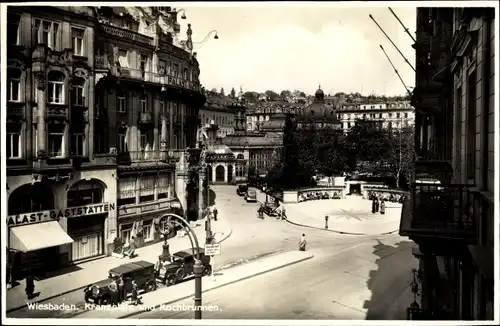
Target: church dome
x=319 y=95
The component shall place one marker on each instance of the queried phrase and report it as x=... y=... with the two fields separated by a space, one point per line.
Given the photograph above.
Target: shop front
x=86 y=219
x=147 y=228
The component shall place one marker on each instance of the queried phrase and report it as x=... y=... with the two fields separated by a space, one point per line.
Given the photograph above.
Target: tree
x=251 y=97
x=273 y=96
x=222 y=91
x=233 y=93
x=285 y=93
x=302 y=94
x=214 y=90
x=400 y=154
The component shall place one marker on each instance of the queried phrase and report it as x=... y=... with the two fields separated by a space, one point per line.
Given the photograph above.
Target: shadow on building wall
x=390 y=282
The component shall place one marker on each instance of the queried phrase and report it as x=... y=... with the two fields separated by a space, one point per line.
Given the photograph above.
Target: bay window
x=55 y=87
x=56 y=140
x=147 y=188
x=14 y=85
x=122 y=104
x=126 y=191
x=79 y=92
x=77 y=35
x=47 y=33
x=163 y=186
x=14 y=141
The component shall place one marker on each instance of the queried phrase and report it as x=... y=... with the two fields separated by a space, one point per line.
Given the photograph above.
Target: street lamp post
x=198 y=265
x=183 y=13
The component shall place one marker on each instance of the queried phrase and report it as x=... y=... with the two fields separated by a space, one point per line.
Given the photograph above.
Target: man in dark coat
x=30 y=285
x=382 y=207
x=135 y=294
x=377 y=205
x=216 y=212
x=121 y=290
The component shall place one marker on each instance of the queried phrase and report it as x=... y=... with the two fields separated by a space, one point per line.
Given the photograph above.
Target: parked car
x=242 y=190
x=251 y=196
x=271 y=208
x=142 y=272
x=182 y=266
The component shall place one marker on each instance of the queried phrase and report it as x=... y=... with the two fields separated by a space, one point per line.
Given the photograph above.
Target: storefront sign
x=56 y=214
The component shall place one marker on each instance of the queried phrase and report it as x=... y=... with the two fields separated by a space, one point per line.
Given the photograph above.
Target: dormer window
x=126 y=25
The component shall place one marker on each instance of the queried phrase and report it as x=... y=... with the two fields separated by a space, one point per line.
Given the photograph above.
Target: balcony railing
x=102 y=62
x=145 y=118
x=156 y=156
x=124 y=33
x=445 y=211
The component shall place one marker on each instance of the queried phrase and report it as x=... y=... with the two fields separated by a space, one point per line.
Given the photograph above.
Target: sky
x=299 y=46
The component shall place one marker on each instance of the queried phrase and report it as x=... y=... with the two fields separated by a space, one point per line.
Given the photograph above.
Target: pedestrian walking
x=377 y=205
x=131 y=251
x=136 y=299
x=121 y=290
x=382 y=207
x=283 y=213
x=374 y=205
x=113 y=292
x=215 y=213
x=302 y=243
x=30 y=285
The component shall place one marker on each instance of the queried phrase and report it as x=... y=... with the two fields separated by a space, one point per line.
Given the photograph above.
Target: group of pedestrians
x=118 y=292
x=378 y=206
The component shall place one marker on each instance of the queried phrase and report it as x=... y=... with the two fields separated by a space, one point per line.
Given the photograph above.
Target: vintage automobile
x=251 y=196
x=142 y=272
x=182 y=266
x=242 y=190
x=271 y=208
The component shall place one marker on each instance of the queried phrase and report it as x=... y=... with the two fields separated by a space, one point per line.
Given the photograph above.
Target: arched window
x=85 y=192
x=14 y=85
x=79 y=91
x=240 y=157
x=56 y=87
x=31 y=198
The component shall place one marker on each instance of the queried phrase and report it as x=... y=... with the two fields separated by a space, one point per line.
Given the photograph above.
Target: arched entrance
x=229 y=174
x=219 y=173
x=209 y=173
x=87 y=231
x=240 y=157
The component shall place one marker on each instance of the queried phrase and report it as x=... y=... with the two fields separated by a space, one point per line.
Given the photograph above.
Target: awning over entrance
x=38 y=236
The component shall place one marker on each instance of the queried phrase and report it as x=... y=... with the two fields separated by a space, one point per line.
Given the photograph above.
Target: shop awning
x=38 y=236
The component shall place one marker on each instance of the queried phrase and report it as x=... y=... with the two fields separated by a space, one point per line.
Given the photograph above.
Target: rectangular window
x=406 y=115
x=147 y=230
x=77 y=144
x=185 y=73
x=147 y=188
x=13 y=23
x=56 y=140
x=162 y=67
x=126 y=232
x=123 y=58
x=122 y=104
x=471 y=125
x=163 y=187
x=14 y=86
x=126 y=191
x=143 y=141
x=47 y=33
x=77 y=40
x=56 y=93
x=389 y=115
x=398 y=115
x=122 y=142
x=176 y=70
x=13 y=141
x=79 y=98
x=143 y=65
x=162 y=108
x=144 y=105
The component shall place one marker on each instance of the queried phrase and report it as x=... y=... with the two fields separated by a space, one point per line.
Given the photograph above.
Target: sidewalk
x=96 y=270
x=161 y=298
x=346 y=216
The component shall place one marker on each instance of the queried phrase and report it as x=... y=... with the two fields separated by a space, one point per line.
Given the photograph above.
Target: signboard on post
x=212 y=249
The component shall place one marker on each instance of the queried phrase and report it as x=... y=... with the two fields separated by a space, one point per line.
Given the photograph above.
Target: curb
x=219 y=286
x=339 y=232
x=83 y=287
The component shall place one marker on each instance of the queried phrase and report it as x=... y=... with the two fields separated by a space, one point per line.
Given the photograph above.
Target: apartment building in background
x=450 y=215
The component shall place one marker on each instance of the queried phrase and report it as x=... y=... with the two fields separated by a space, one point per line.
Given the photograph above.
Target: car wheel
x=103 y=300
x=207 y=270
x=180 y=274
x=150 y=286
x=171 y=280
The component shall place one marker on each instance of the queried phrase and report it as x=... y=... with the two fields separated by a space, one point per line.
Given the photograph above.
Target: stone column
x=171 y=124
x=156 y=119
x=234 y=173
x=41 y=112
x=214 y=168
x=163 y=136
x=225 y=173
x=133 y=135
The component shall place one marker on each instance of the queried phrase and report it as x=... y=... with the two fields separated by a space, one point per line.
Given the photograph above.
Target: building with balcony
x=148 y=96
x=387 y=115
x=61 y=193
x=450 y=215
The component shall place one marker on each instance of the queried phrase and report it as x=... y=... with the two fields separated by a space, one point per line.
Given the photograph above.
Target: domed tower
x=320 y=113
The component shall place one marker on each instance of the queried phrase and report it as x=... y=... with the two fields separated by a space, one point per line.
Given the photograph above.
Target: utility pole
x=406 y=60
